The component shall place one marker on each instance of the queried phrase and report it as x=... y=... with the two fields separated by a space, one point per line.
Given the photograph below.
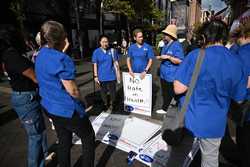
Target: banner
x=122 y=131
x=137 y=94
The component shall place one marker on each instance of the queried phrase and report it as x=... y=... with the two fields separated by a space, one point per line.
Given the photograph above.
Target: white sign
x=123 y=132
x=154 y=153
x=137 y=93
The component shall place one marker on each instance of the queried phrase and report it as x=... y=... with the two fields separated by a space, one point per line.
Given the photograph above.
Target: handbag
x=173 y=121
x=117 y=71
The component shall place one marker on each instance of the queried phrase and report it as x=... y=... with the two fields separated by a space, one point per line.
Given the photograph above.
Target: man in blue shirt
x=221 y=79
x=171 y=56
x=140 y=55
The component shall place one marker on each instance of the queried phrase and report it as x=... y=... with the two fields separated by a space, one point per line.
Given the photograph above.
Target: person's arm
x=143 y=74
x=96 y=74
x=130 y=68
x=66 y=46
x=30 y=73
x=173 y=59
x=116 y=63
x=248 y=82
x=71 y=87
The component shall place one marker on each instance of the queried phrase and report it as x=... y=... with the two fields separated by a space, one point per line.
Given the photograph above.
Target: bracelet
x=145 y=70
x=95 y=76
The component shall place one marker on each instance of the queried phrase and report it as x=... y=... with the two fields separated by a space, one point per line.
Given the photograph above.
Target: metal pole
x=101 y=15
x=78 y=27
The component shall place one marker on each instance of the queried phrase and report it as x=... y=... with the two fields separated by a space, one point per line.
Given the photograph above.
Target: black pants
x=83 y=129
x=108 y=86
x=243 y=142
x=168 y=94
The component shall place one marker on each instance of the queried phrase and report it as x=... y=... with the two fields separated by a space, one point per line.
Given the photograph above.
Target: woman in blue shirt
x=55 y=73
x=221 y=79
x=243 y=133
x=171 y=56
x=105 y=63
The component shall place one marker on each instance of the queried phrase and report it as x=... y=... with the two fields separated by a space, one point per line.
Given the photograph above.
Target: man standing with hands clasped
x=140 y=55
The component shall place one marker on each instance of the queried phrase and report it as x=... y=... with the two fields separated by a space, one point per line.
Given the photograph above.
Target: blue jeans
x=28 y=109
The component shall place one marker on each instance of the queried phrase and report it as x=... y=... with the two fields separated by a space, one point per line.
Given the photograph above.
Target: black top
x=15 y=64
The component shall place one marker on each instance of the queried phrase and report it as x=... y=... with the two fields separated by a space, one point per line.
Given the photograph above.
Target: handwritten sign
x=137 y=94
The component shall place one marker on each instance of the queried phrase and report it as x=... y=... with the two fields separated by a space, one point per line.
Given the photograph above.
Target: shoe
x=161 y=111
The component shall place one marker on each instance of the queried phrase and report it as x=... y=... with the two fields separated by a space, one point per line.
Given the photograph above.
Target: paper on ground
x=156 y=150
x=127 y=133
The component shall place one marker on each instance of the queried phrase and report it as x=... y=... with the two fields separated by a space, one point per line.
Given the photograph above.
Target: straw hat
x=171 y=30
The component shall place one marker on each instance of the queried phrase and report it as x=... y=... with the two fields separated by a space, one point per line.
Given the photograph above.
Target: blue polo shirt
x=167 y=68
x=139 y=57
x=51 y=67
x=221 y=79
x=105 y=65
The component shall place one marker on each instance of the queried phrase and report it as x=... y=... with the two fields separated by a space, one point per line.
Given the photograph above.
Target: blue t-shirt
x=51 y=67
x=244 y=56
x=234 y=48
x=139 y=57
x=221 y=79
x=105 y=65
x=167 y=68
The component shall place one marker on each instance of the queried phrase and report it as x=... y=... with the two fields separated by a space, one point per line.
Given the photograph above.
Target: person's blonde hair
x=53 y=34
x=242 y=31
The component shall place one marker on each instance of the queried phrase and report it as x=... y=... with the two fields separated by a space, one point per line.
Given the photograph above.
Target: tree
x=138 y=12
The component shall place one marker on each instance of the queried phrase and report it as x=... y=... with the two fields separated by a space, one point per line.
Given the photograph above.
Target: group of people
x=49 y=85
x=223 y=77
x=46 y=85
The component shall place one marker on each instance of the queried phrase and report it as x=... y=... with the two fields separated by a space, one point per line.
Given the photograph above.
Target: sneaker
x=161 y=111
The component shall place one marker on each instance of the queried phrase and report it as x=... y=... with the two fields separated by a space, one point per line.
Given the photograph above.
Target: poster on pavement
x=124 y=132
x=137 y=93
x=154 y=153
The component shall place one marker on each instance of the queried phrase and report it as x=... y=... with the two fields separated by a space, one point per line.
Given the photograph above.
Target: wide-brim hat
x=171 y=30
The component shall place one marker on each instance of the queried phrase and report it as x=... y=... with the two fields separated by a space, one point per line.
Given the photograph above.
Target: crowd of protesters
x=45 y=82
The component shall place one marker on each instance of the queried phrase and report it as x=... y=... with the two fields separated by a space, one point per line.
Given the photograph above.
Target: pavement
x=13 y=141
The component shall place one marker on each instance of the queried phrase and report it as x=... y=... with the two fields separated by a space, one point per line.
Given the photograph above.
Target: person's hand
x=143 y=74
x=131 y=74
x=97 y=80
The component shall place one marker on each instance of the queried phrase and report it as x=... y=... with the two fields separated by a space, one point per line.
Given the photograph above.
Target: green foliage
x=117 y=6
x=142 y=11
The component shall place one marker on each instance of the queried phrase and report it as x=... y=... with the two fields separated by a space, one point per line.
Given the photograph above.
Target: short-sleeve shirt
x=105 y=66
x=139 y=56
x=167 y=68
x=244 y=55
x=234 y=48
x=15 y=65
x=51 y=67
x=221 y=79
